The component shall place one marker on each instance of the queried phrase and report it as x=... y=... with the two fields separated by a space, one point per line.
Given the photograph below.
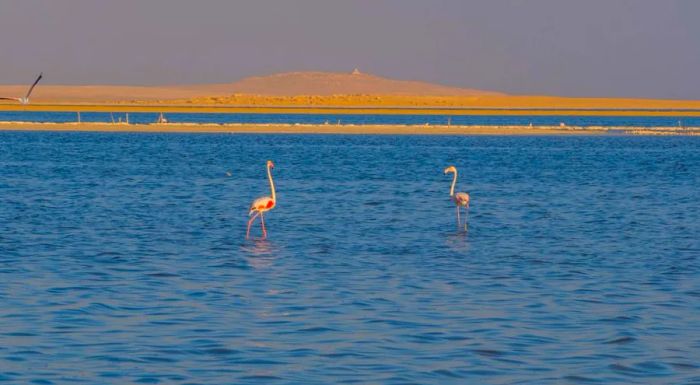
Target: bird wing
x=41 y=75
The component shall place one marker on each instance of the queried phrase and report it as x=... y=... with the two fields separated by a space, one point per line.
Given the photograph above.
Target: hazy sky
x=645 y=48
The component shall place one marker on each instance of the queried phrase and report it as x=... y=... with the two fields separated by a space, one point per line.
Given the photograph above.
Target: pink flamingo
x=461 y=199
x=263 y=204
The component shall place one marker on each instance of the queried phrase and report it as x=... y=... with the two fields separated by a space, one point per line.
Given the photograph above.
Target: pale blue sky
x=642 y=48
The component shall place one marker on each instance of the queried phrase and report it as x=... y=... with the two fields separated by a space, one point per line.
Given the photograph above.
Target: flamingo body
x=461 y=199
x=262 y=204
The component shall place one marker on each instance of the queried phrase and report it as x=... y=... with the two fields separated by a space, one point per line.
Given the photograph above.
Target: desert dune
x=354 y=92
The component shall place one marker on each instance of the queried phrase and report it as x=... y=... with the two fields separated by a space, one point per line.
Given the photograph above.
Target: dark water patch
x=644 y=369
x=163 y=275
x=147 y=380
x=582 y=380
x=620 y=340
x=41 y=382
x=259 y=361
x=19 y=334
x=317 y=329
x=482 y=372
x=489 y=353
x=221 y=351
x=261 y=377
x=446 y=373
x=110 y=358
x=684 y=366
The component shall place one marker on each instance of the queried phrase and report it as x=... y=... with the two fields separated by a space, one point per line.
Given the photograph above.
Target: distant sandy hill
x=284 y=84
x=355 y=83
x=316 y=89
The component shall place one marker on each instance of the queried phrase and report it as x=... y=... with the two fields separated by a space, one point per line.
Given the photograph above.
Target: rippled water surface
x=123 y=260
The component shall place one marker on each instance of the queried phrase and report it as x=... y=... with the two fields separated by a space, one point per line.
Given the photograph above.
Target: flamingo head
x=450 y=169
x=270 y=164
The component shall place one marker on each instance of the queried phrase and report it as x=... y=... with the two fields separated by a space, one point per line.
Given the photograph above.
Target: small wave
x=620 y=341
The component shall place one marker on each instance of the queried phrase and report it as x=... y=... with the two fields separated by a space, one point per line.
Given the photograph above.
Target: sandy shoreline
x=350 y=110
x=347 y=129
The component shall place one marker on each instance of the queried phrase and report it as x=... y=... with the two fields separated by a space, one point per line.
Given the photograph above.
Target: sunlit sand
x=336 y=93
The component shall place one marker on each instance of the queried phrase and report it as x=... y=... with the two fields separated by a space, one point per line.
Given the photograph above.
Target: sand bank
x=347 y=110
x=347 y=129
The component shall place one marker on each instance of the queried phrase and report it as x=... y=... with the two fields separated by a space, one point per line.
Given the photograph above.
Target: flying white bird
x=25 y=100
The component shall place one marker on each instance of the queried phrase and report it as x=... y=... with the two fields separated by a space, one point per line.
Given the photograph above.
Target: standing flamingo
x=461 y=199
x=263 y=204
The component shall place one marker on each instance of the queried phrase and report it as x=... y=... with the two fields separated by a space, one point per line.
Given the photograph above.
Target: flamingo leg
x=262 y=221
x=466 y=216
x=250 y=222
x=459 y=221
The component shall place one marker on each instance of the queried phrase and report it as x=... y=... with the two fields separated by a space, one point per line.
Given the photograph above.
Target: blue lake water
x=123 y=260
x=222 y=118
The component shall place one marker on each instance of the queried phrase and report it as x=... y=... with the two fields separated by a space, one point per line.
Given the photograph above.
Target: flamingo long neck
x=454 y=182
x=272 y=184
